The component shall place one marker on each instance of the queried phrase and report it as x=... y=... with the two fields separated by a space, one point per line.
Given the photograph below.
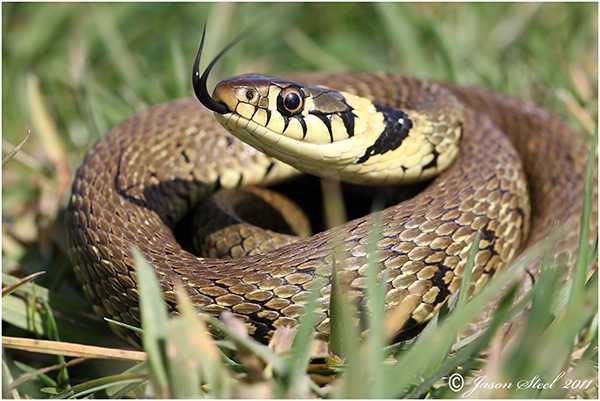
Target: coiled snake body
x=519 y=171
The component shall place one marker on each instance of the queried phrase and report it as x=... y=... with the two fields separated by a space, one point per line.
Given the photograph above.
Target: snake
x=493 y=166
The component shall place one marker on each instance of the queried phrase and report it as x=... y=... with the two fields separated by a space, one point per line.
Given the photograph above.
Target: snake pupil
x=249 y=94
x=292 y=101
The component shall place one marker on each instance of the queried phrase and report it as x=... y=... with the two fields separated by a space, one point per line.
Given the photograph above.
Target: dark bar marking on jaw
x=303 y=124
x=326 y=120
x=254 y=112
x=286 y=122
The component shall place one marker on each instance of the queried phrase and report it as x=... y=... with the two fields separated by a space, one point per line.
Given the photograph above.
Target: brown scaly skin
x=233 y=223
x=144 y=175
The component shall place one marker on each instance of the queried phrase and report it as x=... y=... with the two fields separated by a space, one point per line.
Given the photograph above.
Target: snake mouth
x=309 y=157
x=251 y=132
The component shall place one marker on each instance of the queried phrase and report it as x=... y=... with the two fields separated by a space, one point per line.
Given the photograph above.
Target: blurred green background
x=98 y=63
x=71 y=71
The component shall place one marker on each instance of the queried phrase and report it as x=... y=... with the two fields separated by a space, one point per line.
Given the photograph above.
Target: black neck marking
x=396 y=127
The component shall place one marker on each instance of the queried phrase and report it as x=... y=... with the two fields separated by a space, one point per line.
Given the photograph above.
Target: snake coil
x=518 y=173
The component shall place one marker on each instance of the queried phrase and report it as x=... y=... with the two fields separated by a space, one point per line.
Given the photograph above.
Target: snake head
x=312 y=114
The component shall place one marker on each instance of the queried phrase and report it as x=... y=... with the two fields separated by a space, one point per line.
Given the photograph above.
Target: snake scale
x=518 y=173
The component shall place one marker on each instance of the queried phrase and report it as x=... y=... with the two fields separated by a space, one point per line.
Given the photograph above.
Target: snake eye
x=250 y=95
x=290 y=101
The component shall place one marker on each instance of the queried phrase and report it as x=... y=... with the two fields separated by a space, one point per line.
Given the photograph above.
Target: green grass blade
x=9 y=289
x=539 y=316
x=465 y=284
x=42 y=377
x=52 y=329
x=295 y=367
x=129 y=390
x=593 y=255
x=344 y=335
x=97 y=385
x=124 y=325
x=345 y=340
x=581 y=266
x=16 y=149
x=559 y=339
x=185 y=375
x=339 y=316
x=15 y=311
x=42 y=373
x=376 y=288
x=140 y=368
x=193 y=355
x=154 y=318
x=7 y=378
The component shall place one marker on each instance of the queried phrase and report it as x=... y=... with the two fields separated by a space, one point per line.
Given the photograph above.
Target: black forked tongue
x=199 y=81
